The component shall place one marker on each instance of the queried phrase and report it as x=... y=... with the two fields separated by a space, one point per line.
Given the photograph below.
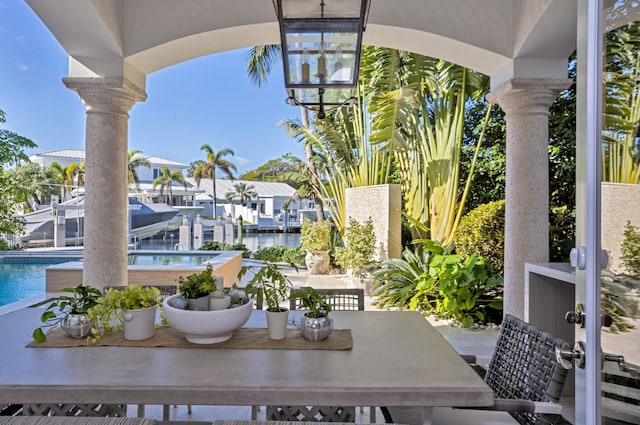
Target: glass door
x=620 y=213
x=608 y=212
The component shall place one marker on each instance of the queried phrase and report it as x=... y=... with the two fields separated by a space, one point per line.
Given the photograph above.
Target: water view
x=25 y=279
x=253 y=241
x=21 y=280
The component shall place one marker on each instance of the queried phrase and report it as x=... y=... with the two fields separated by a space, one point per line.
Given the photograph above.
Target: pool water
x=22 y=280
x=169 y=259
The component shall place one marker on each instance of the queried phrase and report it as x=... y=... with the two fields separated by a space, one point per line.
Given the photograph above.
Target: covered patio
x=522 y=45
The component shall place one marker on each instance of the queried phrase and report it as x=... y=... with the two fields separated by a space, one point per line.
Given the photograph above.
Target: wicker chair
x=339 y=299
x=165 y=290
x=523 y=373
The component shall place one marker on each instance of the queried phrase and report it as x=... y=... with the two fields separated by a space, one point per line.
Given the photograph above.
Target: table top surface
x=398 y=359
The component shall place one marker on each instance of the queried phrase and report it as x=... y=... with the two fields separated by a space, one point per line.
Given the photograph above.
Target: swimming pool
x=169 y=259
x=155 y=268
x=23 y=278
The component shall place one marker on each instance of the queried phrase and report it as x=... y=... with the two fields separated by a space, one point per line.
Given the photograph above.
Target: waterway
x=253 y=241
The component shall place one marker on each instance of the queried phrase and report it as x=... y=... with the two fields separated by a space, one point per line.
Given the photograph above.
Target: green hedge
x=481 y=233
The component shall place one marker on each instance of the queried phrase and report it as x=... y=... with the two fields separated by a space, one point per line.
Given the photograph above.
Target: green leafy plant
x=197 y=285
x=221 y=246
x=481 y=233
x=315 y=236
x=107 y=314
x=360 y=245
x=435 y=281
x=396 y=280
x=461 y=285
x=314 y=301
x=280 y=254
x=80 y=300
x=268 y=282
x=631 y=249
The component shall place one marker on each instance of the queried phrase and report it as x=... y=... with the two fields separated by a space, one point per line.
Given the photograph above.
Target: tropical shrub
x=481 y=233
x=221 y=246
x=280 y=254
x=631 y=249
x=315 y=236
x=360 y=245
x=396 y=280
x=435 y=281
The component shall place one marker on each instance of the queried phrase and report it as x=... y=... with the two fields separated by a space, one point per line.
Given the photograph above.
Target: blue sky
x=205 y=100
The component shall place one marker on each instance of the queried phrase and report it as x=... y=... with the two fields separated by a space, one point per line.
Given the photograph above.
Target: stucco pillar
x=526 y=105
x=108 y=101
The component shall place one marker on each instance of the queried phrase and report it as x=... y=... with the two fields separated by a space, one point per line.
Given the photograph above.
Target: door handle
x=577 y=317
x=633 y=372
x=564 y=357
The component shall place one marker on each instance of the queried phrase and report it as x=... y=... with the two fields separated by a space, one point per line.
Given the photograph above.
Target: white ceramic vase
x=277 y=324
x=139 y=324
x=219 y=302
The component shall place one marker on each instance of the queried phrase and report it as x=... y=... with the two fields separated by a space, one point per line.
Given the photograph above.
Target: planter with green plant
x=360 y=247
x=315 y=238
x=133 y=309
x=270 y=284
x=196 y=288
x=315 y=324
x=68 y=311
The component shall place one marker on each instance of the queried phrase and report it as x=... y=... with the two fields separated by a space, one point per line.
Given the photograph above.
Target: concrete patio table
x=397 y=359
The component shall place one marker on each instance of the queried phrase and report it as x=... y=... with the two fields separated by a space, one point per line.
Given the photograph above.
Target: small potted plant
x=315 y=324
x=196 y=288
x=133 y=308
x=270 y=284
x=68 y=311
x=315 y=238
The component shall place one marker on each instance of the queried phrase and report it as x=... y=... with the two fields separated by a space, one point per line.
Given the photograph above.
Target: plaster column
x=108 y=101
x=526 y=105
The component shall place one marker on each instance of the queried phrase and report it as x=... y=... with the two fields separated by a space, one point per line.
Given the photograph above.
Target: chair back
x=524 y=366
x=165 y=290
x=341 y=299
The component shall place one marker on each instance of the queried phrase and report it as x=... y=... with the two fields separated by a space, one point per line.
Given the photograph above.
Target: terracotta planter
x=317 y=262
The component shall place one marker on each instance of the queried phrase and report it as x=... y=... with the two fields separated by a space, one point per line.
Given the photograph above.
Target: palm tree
x=260 y=60
x=242 y=192
x=134 y=161
x=419 y=113
x=165 y=181
x=73 y=175
x=58 y=175
x=207 y=170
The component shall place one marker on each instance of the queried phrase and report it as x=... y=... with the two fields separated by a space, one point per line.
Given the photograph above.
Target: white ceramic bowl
x=206 y=327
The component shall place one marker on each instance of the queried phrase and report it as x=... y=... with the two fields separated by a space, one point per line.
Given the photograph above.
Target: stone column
x=108 y=101
x=526 y=105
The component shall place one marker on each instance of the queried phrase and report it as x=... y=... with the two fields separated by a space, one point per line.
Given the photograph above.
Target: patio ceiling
x=501 y=38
